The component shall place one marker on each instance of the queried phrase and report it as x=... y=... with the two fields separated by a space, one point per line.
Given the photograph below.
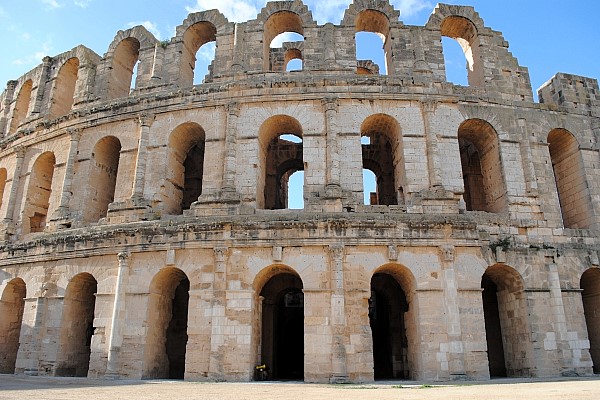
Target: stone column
x=215 y=368
x=431 y=141
x=332 y=178
x=32 y=335
x=62 y=214
x=527 y=158
x=455 y=345
x=339 y=371
x=7 y=222
x=145 y=122
x=233 y=113
x=39 y=97
x=8 y=95
x=115 y=336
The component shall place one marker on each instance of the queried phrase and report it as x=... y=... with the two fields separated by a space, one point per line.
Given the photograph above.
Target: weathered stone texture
x=146 y=231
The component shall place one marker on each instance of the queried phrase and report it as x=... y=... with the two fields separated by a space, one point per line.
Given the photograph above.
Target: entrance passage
x=493 y=330
x=590 y=283
x=12 y=305
x=387 y=308
x=283 y=327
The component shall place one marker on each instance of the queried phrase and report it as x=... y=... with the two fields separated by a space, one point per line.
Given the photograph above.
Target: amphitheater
x=146 y=231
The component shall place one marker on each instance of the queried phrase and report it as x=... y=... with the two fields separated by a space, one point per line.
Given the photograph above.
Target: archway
x=12 y=305
x=38 y=193
x=199 y=44
x=21 y=106
x=167 y=320
x=124 y=60
x=282 y=25
x=590 y=283
x=103 y=178
x=465 y=33
x=391 y=323
x=282 y=340
x=77 y=327
x=64 y=88
x=506 y=325
x=373 y=27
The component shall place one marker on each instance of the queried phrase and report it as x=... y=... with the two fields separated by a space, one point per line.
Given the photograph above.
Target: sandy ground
x=21 y=387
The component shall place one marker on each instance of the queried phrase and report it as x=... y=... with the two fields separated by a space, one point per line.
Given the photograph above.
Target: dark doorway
x=493 y=329
x=193 y=166
x=177 y=330
x=283 y=327
x=590 y=283
x=387 y=307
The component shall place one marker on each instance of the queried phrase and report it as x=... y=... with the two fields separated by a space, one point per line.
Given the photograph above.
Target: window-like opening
x=12 y=306
x=281 y=156
x=479 y=147
x=383 y=157
x=167 y=318
x=569 y=175
x=454 y=60
x=125 y=58
x=369 y=187
x=282 y=341
x=199 y=45
x=506 y=327
x=38 y=193
x=21 y=105
x=64 y=88
x=372 y=32
x=295 y=187
x=590 y=283
x=293 y=60
x=464 y=32
x=134 y=76
x=185 y=167
x=103 y=178
x=282 y=31
x=77 y=327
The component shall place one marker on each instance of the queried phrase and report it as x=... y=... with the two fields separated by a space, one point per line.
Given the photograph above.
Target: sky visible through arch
x=547 y=36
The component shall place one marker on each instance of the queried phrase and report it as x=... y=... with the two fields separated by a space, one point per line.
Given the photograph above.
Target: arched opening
x=292 y=60
x=479 y=147
x=185 y=167
x=454 y=61
x=64 y=88
x=464 y=32
x=506 y=327
x=167 y=319
x=281 y=156
x=21 y=106
x=3 y=177
x=569 y=175
x=199 y=44
x=103 y=178
x=590 y=284
x=125 y=58
x=282 y=339
x=382 y=154
x=369 y=187
x=77 y=327
x=282 y=30
x=12 y=306
x=392 y=322
x=372 y=32
x=38 y=193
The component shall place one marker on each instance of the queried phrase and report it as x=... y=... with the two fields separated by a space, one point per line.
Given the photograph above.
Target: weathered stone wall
x=480 y=258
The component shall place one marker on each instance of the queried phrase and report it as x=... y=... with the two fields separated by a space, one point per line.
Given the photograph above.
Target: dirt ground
x=22 y=387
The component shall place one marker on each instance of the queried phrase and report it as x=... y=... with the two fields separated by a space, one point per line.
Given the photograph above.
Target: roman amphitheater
x=146 y=229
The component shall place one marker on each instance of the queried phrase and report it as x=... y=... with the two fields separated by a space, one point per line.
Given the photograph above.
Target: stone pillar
x=28 y=357
x=455 y=345
x=333 y=157
x=145 y=122
x=8 y=227
x=527 y=158
x=431 y=141
x=215 y=369
x=233 y=113
x=61 y=216
x=8 y=95
x=115 y=336
x=39 y=97
x=339 y=371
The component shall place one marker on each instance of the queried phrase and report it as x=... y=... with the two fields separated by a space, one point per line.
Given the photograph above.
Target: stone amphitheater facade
x=146 y=233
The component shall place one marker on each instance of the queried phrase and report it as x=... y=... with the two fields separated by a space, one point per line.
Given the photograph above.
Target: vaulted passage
x=590 y=283
x=21 y=106
x=77 y=327
x=167 y=337
x=103 y=178
x=125 y=59
x=283 y=327
x=387 y=308
x=506 y=322
x=12 y=306
x=38 y=193
x=64 y=88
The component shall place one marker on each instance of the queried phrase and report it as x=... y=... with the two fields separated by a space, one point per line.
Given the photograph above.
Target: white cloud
x=151 y=26
x=408 y=8
x=234 y=10
x=82 y=3
x=52 y=4
x=35 y=57
x=328 y=11
x=206 y=53
x=25 y=36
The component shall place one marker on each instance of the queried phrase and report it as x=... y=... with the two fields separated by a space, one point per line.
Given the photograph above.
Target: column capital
x=336 y=251
x=123 y=258
x=233 y=108
x=20 y=151
x=330 y=103
x=146 y=119
x=75 y=134
x=220 y=253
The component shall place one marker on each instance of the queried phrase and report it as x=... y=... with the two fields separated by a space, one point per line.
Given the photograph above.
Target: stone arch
x=21 y=105
x=351 y=15
x=37 y=201
x=185 y=167
x=64 y=88
x=102 y=181
x=569 y=176
x=281 y=322
x=393 y=322
x=384 y=156
x=479 y=146
x=590 y=284
x=77 y=326
x=276 y=24
x=278 y=159
x=124 y=59
x=12 y=306
x=506 y=322
x=167 y=321
x=376 y=22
